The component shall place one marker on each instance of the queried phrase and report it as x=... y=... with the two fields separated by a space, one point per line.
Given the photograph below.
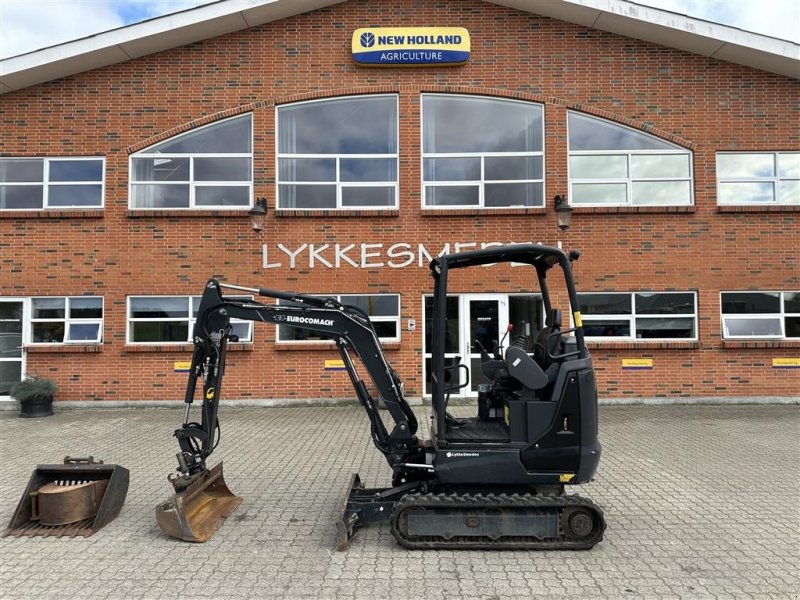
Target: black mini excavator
x=491 y=481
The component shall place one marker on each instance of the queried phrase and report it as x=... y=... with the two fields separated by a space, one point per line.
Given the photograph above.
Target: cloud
x=27 y=25
x=776 y=18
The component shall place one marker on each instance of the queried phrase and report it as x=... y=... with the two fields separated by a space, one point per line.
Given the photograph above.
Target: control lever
x=484 y=353
x=499 y=353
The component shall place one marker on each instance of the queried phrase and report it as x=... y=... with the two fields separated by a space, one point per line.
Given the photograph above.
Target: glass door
x=11 y=355
x=452 y=341
x=486 y=322
x=481 y=318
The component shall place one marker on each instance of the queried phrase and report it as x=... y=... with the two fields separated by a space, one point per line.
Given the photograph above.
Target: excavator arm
x=348 y=326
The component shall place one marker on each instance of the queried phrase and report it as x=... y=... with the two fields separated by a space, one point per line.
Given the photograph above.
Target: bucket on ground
x=72 y=499
x=193 y=514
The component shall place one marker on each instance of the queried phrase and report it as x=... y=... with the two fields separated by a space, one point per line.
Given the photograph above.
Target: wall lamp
x=563 y=212
x=258 y=214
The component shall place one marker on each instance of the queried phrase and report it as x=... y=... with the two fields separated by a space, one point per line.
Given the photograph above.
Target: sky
x=27 y=25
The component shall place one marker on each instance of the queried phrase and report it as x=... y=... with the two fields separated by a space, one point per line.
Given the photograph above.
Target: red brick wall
x=701 y=103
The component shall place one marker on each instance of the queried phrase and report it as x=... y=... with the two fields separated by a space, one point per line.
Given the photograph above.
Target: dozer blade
x=195 y=513
x=73 y=499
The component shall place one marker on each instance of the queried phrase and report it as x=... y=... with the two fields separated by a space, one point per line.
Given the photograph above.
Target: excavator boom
x=202 y=499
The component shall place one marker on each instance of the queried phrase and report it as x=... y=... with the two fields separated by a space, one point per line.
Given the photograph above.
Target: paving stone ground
x=701 y=502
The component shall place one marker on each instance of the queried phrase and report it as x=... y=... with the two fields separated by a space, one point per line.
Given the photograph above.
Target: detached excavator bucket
x=73 y=499
x=195 y=513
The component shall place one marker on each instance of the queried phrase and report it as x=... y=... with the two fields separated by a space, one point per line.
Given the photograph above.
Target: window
x=613 y=165
x=639 y=315
x=170 y=320
x=383 y=311
x=758 y=178
x=51 y=183
x=338 y=154
x=70 y=320
x=481 y=152
x=760 y=315
x=210 y=167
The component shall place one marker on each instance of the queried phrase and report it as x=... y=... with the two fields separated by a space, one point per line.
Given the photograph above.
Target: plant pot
x=36 y=406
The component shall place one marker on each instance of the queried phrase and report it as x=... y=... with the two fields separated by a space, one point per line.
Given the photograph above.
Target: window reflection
x=229 y=136
x=41 y=183
x=751 y=302
x=360 y=125
x=758 y=177
x=506 y=139
x=612 y=164
x=746 y=193
x=789 y=192
x=745 y=165
x=660 y=192
x=469 y=124
x=588 y=133
x=318 y=143
x=761 y=314
x=631 y=316
x=608 y=166
x=160 y=179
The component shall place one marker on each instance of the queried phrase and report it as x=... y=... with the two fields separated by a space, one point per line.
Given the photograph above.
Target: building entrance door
x=11 y=353
x=483 y=318
x=485 y=323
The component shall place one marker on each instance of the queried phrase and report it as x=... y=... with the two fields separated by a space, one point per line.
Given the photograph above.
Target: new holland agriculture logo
x=410 y=46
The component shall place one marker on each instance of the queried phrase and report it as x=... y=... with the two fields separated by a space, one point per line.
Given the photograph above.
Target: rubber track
x=497 y=501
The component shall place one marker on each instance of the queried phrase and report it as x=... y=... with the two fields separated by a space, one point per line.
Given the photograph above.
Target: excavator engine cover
x=196 y=512
x=73 y=499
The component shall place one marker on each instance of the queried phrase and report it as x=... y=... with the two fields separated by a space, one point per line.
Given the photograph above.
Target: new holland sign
x=410 y=46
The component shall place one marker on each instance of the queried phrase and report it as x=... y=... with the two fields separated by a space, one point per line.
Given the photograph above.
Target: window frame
x=67 y=321
x=775 y=180
x=632 y=318
x=191 y=182
x=46 y=183
x=482 y=156
x=342 y=298
x=629 y=181
x=190 y=318
x=395 y=185
x=781 y=316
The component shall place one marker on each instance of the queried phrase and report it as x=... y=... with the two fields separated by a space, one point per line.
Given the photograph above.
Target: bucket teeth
x=196 y=512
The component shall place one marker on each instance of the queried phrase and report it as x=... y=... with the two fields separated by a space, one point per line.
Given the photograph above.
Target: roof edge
x=622 y=17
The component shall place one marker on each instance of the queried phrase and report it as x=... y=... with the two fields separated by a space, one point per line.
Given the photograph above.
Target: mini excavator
x=495 y=480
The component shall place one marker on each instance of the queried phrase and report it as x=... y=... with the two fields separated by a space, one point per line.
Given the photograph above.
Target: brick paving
x=701 y=502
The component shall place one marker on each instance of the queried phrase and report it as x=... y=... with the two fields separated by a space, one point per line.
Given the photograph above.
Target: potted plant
x=35 y=396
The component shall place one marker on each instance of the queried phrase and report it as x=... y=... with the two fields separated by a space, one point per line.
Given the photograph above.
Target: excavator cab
x=499 y=476
x=538 y=410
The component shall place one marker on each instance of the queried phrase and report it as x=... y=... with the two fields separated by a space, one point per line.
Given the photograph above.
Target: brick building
x=129 y=163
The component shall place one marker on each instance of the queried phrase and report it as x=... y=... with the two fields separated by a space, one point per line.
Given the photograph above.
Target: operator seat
x=546 y=345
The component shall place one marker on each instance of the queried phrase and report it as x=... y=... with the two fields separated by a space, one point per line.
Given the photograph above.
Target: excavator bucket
x=73 y=499
x=195 y=513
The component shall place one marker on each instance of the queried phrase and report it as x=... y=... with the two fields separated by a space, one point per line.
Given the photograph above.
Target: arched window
x=338 y=154
x=613 y=165
x=207 y=167
x=481 y=152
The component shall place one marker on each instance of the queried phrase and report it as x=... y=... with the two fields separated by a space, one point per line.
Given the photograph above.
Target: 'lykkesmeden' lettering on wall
x=361 y=256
